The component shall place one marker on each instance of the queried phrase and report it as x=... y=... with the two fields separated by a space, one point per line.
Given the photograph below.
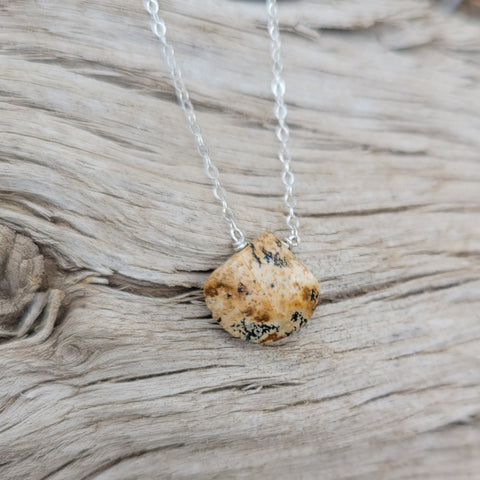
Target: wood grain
x=122 y=373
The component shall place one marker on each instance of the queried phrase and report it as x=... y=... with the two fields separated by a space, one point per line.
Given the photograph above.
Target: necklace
x=263 y=292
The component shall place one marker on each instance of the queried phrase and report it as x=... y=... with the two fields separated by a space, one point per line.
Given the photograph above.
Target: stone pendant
x=262 y=293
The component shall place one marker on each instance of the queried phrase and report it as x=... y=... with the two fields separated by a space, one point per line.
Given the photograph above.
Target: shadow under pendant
x=262 y=293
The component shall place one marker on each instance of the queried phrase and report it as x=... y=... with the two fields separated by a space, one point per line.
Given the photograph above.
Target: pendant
x=262 y=293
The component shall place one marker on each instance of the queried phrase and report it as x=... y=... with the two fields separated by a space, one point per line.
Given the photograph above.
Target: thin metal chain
x=278 y=88
x=282 y=131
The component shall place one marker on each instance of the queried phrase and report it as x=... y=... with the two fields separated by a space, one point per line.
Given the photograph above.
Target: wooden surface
x=115 y=370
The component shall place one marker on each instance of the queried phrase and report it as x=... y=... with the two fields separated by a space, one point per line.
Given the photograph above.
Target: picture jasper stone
x=262 y=293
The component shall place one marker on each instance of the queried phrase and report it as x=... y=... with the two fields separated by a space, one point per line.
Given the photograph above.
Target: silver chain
x=282 y=131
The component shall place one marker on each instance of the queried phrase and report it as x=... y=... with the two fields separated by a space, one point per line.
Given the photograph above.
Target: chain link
x=282 y=131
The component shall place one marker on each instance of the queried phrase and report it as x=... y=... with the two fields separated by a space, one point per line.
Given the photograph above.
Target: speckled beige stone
x=262 y=293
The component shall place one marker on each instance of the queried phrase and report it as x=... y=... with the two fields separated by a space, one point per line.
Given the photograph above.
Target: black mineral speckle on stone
x=254 y=254
x=272 y=285
x=255 y=331
x=267 y=256
x=314 y=295
x=279 y=261
x=298 y=317
x=274 y=258
x=242 y=289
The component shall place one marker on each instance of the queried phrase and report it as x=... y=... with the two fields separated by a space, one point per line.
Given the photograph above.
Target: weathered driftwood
x=120 y=372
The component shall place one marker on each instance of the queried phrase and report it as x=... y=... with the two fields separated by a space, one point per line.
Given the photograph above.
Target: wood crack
x=470 y=421
x=248 y=385
x=433 y=288
x=314 y=401
x=112 y=463
x=336 y=297
x=124 y=379
x=148 y=289
x=367 y=212
x=59 y=468
x=407 y=391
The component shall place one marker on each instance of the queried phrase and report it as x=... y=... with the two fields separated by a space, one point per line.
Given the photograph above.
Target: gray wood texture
x=111 y=367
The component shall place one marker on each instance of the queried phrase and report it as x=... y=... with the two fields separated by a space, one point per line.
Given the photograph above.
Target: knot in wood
x=21 y=275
